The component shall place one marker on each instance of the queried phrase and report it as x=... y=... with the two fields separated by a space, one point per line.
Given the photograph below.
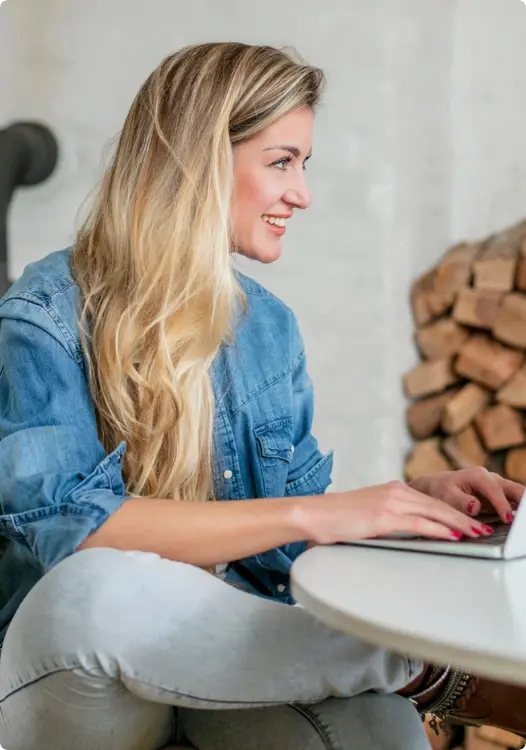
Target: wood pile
x=469 y=390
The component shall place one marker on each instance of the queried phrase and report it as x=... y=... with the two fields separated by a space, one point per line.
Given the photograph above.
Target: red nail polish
x=476 y=531
x=487 y=530
x=457 y=534
x=509 y=518
x=471 y=508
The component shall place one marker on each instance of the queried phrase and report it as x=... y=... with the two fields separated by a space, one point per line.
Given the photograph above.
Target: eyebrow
x=291 y=149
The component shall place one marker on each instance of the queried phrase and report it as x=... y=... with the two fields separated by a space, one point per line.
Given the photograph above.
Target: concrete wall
x=488 y=115
x=420 y=142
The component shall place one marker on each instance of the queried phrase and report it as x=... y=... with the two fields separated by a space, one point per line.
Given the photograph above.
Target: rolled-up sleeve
x=58 y=483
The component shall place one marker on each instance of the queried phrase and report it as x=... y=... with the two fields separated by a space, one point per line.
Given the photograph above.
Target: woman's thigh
x=366 y=722
x=173 y=634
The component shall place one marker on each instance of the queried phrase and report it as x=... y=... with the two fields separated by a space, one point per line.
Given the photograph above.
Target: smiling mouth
x=276 y=229
x=277 y=221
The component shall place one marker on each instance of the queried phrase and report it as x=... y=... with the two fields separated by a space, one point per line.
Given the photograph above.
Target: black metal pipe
x=28 y=156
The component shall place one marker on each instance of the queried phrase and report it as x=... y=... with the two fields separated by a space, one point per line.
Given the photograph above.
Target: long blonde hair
x=152 y=259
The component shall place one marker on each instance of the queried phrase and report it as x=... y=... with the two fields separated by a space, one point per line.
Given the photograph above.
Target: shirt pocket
x=315 y=481
x=275 y=452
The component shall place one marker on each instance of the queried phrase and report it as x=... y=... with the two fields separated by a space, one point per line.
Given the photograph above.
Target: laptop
x=508 y=541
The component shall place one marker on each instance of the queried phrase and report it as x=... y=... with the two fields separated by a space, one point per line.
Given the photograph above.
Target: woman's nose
x=298 y=194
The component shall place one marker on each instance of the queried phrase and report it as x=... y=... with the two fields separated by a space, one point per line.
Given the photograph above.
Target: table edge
x=417 y=647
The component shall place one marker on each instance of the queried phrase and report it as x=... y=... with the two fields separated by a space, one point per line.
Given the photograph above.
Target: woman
x=141 y=376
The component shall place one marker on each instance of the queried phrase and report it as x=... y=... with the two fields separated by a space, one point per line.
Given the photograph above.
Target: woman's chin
x=264 y=253
x=270 y=256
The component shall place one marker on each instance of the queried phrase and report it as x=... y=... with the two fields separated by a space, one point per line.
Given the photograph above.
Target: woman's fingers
x=484 y=500
x=472 y=505
x=465 y=502
x=420 y=526
x=490 y=486
x=429 y=508
x=514 y=490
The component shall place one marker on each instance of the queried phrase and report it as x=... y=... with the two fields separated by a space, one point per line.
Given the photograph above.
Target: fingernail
x=471 y=507
x=509 y=517
x=476 y=531
x=456 y=535
x=514 y=506
x=487 y=529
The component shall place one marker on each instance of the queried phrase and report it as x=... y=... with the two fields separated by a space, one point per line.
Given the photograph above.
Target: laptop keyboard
x=498 y=537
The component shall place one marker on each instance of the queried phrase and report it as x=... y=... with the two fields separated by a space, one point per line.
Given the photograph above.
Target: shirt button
x=292 y=449
x=227 y=474
x=281 y=587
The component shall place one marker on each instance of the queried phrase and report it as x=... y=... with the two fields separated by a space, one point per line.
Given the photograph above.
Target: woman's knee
x=62 y=606
x=90 y=599
x=370 y=720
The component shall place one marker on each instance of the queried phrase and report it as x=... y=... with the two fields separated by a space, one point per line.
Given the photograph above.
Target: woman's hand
x=384 y=509
x=472 y=490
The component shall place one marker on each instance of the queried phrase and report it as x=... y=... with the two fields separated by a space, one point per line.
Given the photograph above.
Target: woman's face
x=269 y=184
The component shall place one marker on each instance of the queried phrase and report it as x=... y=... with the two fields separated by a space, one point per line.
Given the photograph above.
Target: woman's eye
x=282 y=163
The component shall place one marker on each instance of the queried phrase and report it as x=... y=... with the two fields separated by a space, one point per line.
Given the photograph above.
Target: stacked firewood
x=469 y=391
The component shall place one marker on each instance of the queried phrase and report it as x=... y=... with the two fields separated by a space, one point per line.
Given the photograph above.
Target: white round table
x=449 y=610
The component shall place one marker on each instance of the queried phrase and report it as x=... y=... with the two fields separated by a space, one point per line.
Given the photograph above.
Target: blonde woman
x=155 y=423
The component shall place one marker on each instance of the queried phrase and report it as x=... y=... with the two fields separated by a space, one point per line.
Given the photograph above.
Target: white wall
x=420 y=142
x=488 y=113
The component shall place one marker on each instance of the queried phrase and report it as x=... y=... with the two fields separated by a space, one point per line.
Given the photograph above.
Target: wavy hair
x=152 y=258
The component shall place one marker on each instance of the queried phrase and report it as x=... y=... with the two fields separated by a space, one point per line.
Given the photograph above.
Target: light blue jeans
x=120 y=650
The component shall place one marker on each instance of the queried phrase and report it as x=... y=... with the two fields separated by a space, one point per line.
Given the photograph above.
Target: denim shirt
x=58 y=484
